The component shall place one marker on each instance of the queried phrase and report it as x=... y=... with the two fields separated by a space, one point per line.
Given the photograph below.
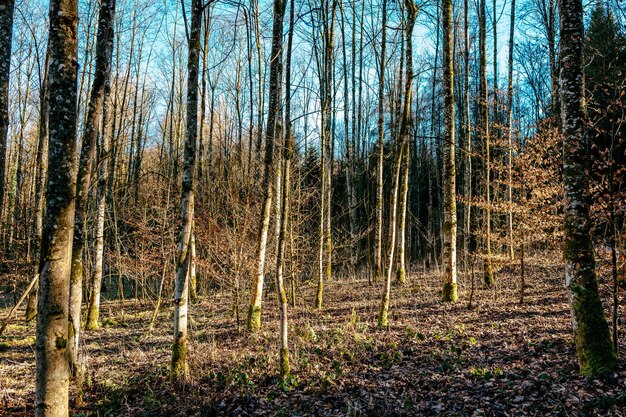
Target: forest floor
x=499 y=358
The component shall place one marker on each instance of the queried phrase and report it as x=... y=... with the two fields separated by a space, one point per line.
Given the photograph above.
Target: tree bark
x=179 y=368
x=55 y=261
x=449 y=167
x=591 y=330
x=484 y=130
x=509 y=132
x=468 y=136
x=404 y=191
x=403 y=147
x=254 y=312
x=40 y=182
x=286 y=206
x=104 y=52
x=378 y=272
x=6 y=35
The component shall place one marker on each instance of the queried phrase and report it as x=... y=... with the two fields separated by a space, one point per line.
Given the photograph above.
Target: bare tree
x=104 y=51
x=449 y=168
x=179 y=368
x=484 y=130
x=254 y=312
x=402 y=150
x=378 y=273
x=509 y=131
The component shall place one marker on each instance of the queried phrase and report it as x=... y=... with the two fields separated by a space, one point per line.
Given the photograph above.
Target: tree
x=56 y=251
x=484 y=131
x=378 y=273
x=6 y=32
x=605 y=50
x=467 y=233
x=104 y=52
x=276 y=66
x=449 y=170
x=402 y=151
x=286 y=206
x=179 y=368
x=591 y=331
x=509 y=131
x=325 y=61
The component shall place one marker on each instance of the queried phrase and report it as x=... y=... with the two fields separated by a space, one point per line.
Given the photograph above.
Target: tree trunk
x=449 y=168
x=93 y=312
x=284 y=218
x=104 y=51
x=329 y=66
x=404 y=191
x=593 y=340
x=40 y=182
x=467 y=235
x=484 y=129
x=55 y=263
x=403 y=146
x=179 y=368
x=378 y=273
x=6 y=35
x=326 y=100
x=254 y=312
x=509 y=132
x=348 y=143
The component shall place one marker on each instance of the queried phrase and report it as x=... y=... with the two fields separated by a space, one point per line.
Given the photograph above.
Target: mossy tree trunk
x=56 y=252
x=104 y=52
x=449 y=292
x=179 y=367
x=593 y=341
